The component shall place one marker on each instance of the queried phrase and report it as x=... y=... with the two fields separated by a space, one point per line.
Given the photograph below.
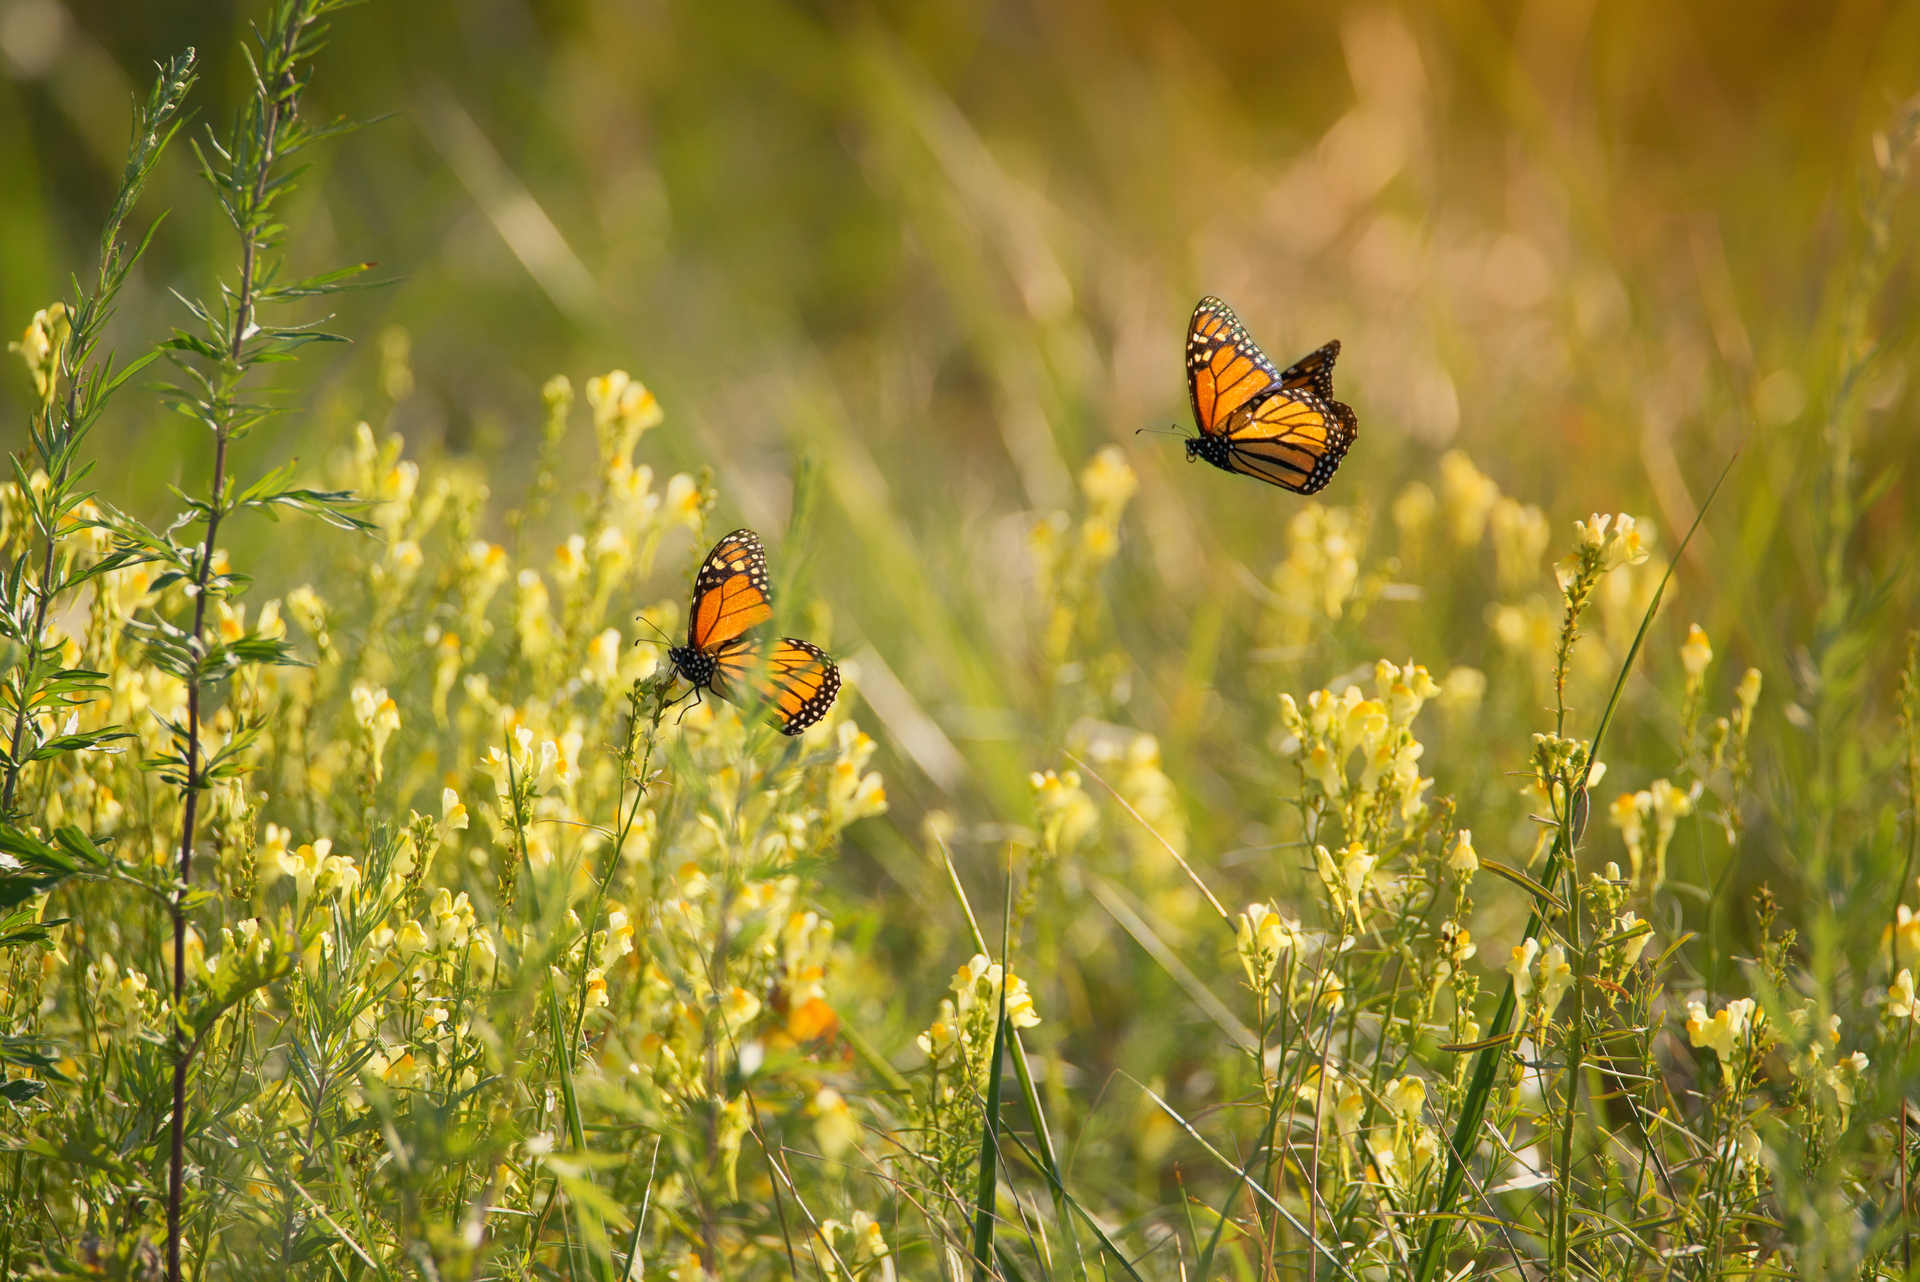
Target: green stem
x=990 y=1124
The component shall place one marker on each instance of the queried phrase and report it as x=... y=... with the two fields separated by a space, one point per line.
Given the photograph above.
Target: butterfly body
x=696 y=665
x=794 y=678
x=1210 y=449
x=1281 y=426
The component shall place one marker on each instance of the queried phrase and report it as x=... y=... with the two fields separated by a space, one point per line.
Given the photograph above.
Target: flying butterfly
x=795 y=679
x=1282 y=426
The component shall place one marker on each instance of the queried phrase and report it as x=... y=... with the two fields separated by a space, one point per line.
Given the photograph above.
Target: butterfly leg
x=695 y=693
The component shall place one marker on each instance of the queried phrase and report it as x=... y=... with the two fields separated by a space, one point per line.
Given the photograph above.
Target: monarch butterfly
x=1282 y=426
x=795 y=679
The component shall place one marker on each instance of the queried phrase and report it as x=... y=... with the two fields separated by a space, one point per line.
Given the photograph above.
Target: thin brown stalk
x=280 y=100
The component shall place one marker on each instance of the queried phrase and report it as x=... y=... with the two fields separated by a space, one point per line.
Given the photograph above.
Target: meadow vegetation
x=1401 y=883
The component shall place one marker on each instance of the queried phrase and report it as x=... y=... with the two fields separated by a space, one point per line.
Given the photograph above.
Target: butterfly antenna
x=656 y=627
x=1161 y=431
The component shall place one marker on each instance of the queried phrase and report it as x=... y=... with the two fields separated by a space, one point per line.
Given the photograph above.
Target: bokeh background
x=949 y=251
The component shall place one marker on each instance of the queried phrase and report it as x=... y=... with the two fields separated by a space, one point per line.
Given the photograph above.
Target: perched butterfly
x=1282 y=426
x=795 y=679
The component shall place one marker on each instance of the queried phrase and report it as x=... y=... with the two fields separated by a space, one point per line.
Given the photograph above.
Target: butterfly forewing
x=1225 y=370
x=730 y=595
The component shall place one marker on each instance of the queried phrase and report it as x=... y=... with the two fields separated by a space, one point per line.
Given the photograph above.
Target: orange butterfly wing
x=730 y=594
x=1314 y=371
x=1225 y=369
x=795 y=679
x=1290 y=438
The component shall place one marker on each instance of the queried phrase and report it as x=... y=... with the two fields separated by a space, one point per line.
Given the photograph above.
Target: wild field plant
x=402 y=925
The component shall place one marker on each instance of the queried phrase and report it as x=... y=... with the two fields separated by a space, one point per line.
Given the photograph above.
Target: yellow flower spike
x=596 y=995
x=975 y=980
x=1747 y=1145
x=1020 y=1009
x=406 y=559
x=1628 y=546
x=834 y=1126
x=688 y=1269
x=1321 y=766
x=570 y=559
x=1356 y=869
x=1521 y=534
x=1556 y=976
x=822 y=1245
x=1458 y=944
x=1520 y=966
x=1467 y=495
x=41 y=346
x=1695 y=654
x=338 y=875
x=1425 y=1147
x=1669 y=805
x=1330 y=877
x=683 y=502
x=603 y=659
x=452 y=813
x=1108 y=481
x=738 y=1007
x=1463 y=862
x=1722 y=1032
x=1349 y=1104
x=1406 y=1096
x=869 y=1243
x=604 y=393
x=1900 y=1001
x=623 y=409
x=411 y=939
x=1261 y=935
x=1631 y=949
x=379 y=716
x=619 y=937
x=1413 y=510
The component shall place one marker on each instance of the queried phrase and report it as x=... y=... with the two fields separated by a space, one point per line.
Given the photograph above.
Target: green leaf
x=21 y=1089
x=86 y=742
x=35 y=853
x=80 y=847
x=24 y=936
x=34 y=1053
x=1525 y=882
x=134 y=368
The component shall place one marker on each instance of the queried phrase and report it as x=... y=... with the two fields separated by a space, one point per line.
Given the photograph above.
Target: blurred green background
x=951 y=249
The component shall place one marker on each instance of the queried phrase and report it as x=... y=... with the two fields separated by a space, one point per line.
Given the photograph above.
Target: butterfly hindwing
x=795 y=679
x=730 y=595
x=1292 y=439
x=1314 y=371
